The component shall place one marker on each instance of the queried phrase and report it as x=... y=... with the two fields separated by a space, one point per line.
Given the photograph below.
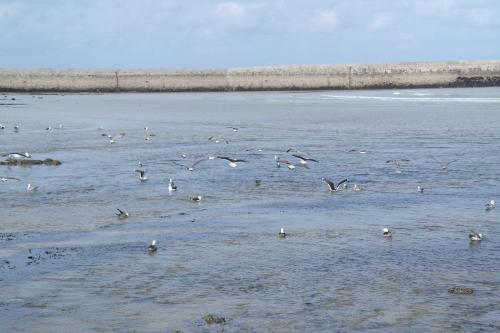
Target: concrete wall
x=303 y=77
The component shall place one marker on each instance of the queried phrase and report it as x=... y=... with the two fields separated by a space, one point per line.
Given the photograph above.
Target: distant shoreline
x=278 y=78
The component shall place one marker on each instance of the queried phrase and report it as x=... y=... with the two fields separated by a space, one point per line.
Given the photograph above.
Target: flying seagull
x=232 y=162
x=4 y=179
x=121 y=214
x=18 y=155
x=142 y=175
x=444 y=165
x=474 y=236
x=191 y=167
x=113 y=138
x=291 y=165
x=332 y=187
x=304 y=160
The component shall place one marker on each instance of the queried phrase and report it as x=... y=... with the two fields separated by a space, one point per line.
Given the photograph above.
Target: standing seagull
x=474 y=236
x=490 y=205
x=31 y=188
x=171 y=186
x=196 y=198
x=331 y=185
x=142 y=175
x=232 y=162
x=121 y=214
x=387 y=233
x=152 y=247
x=304 y=160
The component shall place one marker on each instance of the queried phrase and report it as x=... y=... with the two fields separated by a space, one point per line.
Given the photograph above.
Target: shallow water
x=334 y=272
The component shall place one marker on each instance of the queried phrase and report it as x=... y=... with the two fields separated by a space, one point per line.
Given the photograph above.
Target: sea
x=68 y=263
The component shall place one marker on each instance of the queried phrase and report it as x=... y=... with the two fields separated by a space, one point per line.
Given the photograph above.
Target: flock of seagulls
x=302 y=162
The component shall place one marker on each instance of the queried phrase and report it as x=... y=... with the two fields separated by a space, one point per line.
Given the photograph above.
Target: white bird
x=171 y=186
x=2 y=126
x=142 y=175
x=152 y=247
x=19 y=155
x=195 y=163
x=332 y=187
x=121 y=214
x=304 y=160
x=420 y=189
x=386 y=232
x=232 y=162
x=4 y=179
x=31 y=188
x=282 y=233
x=474 y=236
x=490 y=205
x=113 y=138
x=356 y=188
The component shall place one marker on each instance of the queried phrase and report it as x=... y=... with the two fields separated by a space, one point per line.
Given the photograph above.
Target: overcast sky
x=240 y=33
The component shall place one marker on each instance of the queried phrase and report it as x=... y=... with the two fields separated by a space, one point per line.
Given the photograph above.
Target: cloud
x=324 y=21
x=381 y=21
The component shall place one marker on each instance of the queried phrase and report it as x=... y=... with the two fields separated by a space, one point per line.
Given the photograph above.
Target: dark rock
x=213 y=319
x=461 y=291
x=27 y=162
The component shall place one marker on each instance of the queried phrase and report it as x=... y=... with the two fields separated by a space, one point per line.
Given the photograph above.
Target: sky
x=205 y=34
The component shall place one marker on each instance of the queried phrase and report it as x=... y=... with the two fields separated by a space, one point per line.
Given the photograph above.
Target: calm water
x=90 y=271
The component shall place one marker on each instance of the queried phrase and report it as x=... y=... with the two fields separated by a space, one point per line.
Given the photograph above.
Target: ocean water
x=68 y=263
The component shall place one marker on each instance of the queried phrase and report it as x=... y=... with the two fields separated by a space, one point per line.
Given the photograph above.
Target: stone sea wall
x=297 y=77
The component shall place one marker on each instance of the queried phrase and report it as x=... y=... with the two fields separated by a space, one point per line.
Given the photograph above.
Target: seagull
x=171 y=186
x=113 y=138
x=232 y=162
x=397 y=164
x=490 y=205
x=121 y=214
x=196 y=198
x=16 y=128
x=48 y=128
x=31 y=188
x=420 y=189
x=282 y=233
x=291 y=165
x=191 y=167
x=356 y=188
x=142 y=175
x=386 y=232
x=19 y=155
x=235 y=129
x=4 y=179
x=304 y=160
x=148 y=136
x=474 y=236
x=258 y=182
x=290 y=150
x=152 y=247
x=2 y=126
x=444 y=165
x=332 y=187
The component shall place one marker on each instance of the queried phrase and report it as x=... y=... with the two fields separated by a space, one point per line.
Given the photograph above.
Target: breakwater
x=296 y=77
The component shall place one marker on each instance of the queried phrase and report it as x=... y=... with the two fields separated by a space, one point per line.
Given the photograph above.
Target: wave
x=415 y=99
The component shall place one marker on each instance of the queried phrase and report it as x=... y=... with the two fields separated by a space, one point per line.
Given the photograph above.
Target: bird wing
x=341 y=182
x=11 y=178
x=226 y=158
x=330 y=184
x=141 y=172
x=117 y=136
x=197 y=162
x=120 y=211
